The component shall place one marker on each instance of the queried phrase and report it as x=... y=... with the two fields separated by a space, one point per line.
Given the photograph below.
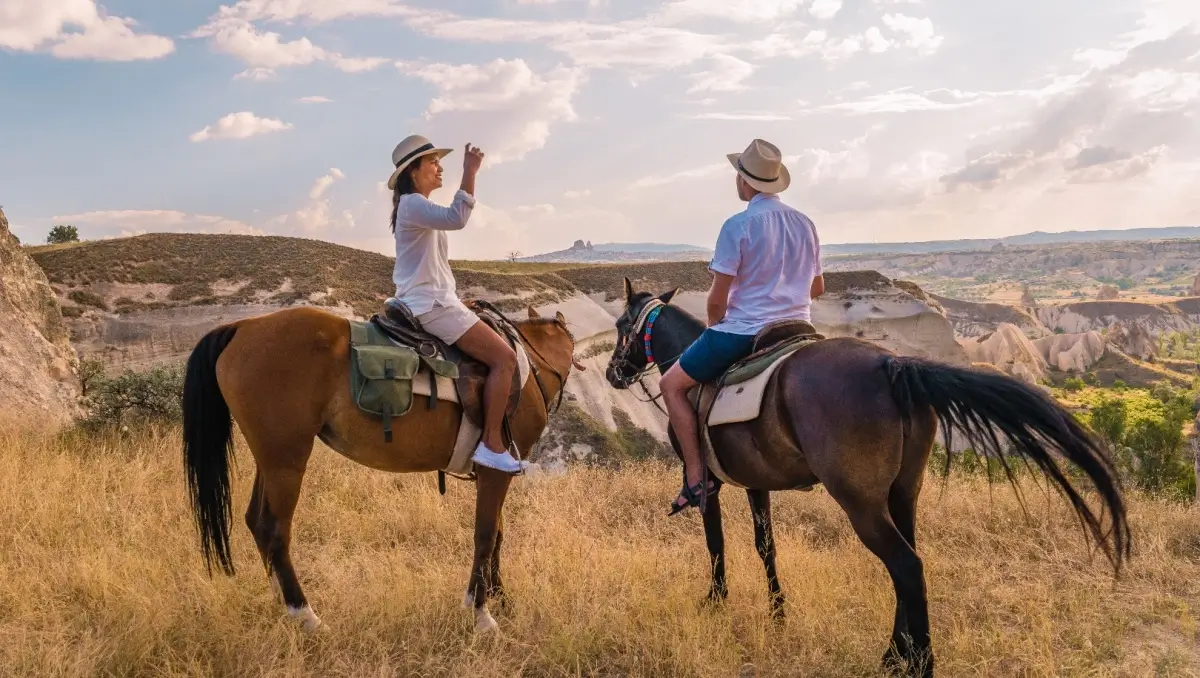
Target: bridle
x=643 y=328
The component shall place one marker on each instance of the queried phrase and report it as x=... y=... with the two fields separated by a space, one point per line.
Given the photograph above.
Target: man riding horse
x=766 y=268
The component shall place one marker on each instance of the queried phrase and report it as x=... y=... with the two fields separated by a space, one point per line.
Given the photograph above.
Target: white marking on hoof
x=309 y=621
x=484 y=621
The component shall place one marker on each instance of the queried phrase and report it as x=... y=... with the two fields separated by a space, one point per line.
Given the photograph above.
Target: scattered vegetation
x=598 y=348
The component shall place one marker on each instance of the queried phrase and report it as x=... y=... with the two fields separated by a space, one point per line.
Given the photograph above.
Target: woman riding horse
x=425 y=283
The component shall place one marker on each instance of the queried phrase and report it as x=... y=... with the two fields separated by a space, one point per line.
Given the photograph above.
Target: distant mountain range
x=1035 y=238
x=586 y=252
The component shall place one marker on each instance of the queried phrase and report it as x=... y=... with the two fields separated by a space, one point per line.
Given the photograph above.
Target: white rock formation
x=38 y=378
x=1009 y=350
x=1071 y=352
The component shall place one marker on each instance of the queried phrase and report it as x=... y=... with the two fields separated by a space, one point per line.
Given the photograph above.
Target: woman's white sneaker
x=500 y=461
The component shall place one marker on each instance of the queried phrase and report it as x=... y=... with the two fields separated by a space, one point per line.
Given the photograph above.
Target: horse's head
x=552 y=342
x=629 y=362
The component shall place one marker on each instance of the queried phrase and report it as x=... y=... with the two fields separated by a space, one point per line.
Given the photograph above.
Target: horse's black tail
x=207 y=447
x=979 y=404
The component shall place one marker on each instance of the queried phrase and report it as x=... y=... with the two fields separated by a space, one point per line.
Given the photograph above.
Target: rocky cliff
x=37 y=364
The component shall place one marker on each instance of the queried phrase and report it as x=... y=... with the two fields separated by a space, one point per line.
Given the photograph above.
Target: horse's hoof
x=309 y=621
x=484 y=623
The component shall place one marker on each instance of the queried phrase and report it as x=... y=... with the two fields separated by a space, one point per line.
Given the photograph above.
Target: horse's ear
x=560 y=317
x=533 y=314
x=628 y=290
x=666 y=297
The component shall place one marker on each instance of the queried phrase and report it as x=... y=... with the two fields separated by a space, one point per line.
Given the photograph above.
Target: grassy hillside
x=164 y=270
x=102 y=577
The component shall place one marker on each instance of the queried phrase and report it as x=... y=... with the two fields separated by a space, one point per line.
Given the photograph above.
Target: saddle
x=737 y=395
x=389 y=349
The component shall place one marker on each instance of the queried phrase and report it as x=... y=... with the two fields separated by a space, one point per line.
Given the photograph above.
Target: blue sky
x=606 y=120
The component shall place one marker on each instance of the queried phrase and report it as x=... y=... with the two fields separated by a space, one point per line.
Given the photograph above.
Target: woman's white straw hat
x=761 y=166
x=410 y=149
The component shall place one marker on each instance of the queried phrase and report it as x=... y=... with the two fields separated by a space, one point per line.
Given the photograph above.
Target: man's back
x=773 y=253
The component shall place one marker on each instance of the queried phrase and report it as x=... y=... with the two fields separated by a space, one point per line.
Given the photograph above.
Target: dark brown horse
x=284 y=379
x=862 y=421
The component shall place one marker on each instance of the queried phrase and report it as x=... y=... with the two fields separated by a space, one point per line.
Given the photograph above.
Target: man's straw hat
x=408 y=150
x=761 y=166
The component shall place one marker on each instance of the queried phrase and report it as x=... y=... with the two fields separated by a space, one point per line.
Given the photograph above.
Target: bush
x=1073 y=384
x=85 y=298
x=132 y=398
x=63 y=233
x=1147 y=440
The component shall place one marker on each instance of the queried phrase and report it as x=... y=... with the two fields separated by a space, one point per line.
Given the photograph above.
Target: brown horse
x=862 y=421
x=284 y=379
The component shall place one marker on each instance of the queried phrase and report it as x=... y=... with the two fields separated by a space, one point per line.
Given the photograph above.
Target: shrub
x=1073 y=384
x=1147 y=440
x=85 y=298
x=63 y=233
x=132 y=398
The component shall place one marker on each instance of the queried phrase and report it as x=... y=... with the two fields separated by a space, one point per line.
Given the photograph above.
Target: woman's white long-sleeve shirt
x=422 y=274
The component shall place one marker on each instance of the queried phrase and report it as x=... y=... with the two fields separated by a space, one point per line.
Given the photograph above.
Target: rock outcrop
x=1133 y=339
x=975 y=319
x=1009 y=350
x=1071 y=352
x=38 y=367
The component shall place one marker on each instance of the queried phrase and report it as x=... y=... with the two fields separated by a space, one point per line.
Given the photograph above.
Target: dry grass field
x=101 y=577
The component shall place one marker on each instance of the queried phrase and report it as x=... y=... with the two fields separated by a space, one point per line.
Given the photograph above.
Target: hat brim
x=441 y=153
x=770 y=187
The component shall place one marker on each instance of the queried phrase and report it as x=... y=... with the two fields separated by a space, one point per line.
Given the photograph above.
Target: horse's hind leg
x=873 y=524
x=269 y=517
x=764 y=543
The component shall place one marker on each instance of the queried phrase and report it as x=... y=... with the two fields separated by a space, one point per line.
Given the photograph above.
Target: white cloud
x=233 y=31
x=918 y=33
x=576 y=194
x=727 y=74
x=317 y=216
x=507 y=106
x=741 y=11
x=324 y=183
x=314 y=100
x=29 y=25
x=825 y=9
x=240 y=125
x=657 y=180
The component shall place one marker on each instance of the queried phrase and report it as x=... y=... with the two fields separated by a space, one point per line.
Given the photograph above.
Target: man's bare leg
x=675 y=385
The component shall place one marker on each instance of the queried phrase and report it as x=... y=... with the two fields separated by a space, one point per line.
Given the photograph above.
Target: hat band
x=414 y=153
x=756 y=178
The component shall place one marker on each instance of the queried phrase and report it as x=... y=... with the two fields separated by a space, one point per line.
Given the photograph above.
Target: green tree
x=63 y=233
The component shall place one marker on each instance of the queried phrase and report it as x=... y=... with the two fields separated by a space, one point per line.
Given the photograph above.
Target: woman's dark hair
x=404 y=184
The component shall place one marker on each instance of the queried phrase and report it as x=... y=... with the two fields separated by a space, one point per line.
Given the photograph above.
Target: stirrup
x=695 y=496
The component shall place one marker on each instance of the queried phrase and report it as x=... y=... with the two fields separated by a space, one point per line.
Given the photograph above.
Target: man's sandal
x=693 y=496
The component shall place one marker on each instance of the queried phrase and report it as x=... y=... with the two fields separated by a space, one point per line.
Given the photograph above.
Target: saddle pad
x=741 y=402
x=446 y=389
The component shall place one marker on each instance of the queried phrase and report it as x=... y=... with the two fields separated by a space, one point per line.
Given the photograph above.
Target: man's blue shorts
x=713 y=353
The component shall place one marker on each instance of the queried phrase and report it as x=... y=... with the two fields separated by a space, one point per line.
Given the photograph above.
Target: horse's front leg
x=764 y=543
x=491 y=486
x=714 y=536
